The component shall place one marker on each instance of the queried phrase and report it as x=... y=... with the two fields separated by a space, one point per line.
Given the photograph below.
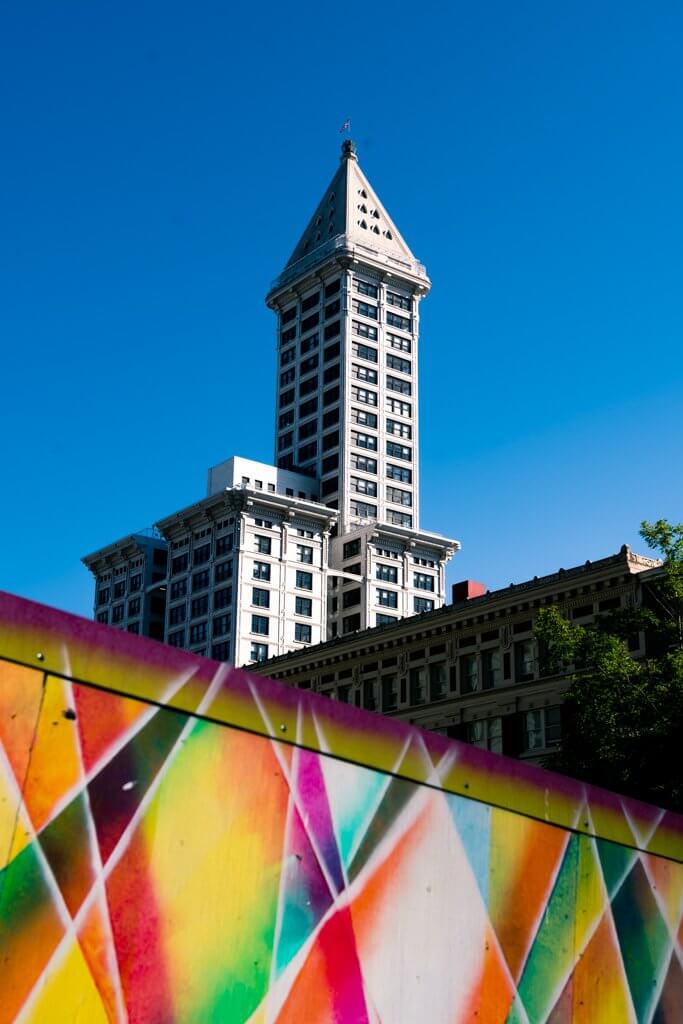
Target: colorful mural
x=182 y=842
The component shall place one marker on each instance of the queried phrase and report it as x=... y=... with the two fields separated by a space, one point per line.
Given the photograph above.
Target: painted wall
x=182 y=842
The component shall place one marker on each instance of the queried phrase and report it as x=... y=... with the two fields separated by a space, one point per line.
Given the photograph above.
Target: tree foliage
x=622 y=718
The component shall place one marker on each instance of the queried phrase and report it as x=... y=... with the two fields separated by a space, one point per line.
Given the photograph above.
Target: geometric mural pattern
x=160 y=862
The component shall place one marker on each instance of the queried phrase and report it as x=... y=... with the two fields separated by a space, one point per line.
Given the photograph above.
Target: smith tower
x=347 y=304
x=327 y=541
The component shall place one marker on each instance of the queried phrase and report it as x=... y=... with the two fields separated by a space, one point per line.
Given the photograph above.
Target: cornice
x=336 y=250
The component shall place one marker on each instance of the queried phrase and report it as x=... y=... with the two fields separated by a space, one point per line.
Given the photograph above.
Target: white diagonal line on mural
x=581 y=809
x=672 y=931
x=19 y=789
x=445 y=763
x=624 y=977
x=654 y=889
x=121 y=741
x=375 y=805
x=492 y=936
x=299 y=723
x=102 y=901
x=538 y=921
x=322 y=743
x=22 y=811
x=432 y=778
x=275 y=999
x=19 y=817
x=643 y=838
x=59 y=904
x=659 y=988
x=579 y=951
x=322 y=739
x=122 y=844
x=279 y=914
x=294 y=790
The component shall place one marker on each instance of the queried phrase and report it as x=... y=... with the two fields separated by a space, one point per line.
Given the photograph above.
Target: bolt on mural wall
x=181 y=842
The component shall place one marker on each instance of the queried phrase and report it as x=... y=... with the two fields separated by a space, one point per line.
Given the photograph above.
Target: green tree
x=623 y=719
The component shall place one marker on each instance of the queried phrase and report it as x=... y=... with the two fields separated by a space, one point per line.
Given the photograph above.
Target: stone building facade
x=344 y=491
x=130 y=577
x=472 y=668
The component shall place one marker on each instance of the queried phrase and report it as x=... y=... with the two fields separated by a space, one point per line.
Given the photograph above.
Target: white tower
x=348 y=328
x=347 y=305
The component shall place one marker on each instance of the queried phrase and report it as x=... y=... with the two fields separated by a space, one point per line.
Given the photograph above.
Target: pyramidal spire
x=351 y=212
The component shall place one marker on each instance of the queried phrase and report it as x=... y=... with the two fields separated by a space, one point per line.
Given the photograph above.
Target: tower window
x=402 y=322
x=366 y=309
x=309 y=451
x=398 y=496
x=396 y=384
x=309 y=303
x=308 y=408
x=330 y=418
x=366 y=441
x=310 y=322
x=363 y=418
x=401 y=344
x=308 y=429
x=396 y=363
x=365 y=288
x=364 y=352
x=363 y=463
x=402 y=301
x=363 y=510
x=309 y=343
x=362 y=486
x=398 y=407
x=364 y=373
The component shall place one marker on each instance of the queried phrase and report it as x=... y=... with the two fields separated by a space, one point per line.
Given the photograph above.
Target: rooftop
x=624 y=559
x=350 y=218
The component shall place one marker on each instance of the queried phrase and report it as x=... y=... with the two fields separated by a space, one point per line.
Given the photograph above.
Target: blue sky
x=159 y=163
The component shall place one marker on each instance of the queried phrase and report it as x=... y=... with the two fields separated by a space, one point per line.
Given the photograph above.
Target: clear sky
x=159 y=161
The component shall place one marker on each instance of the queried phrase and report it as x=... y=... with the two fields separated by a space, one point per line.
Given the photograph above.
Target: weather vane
x=346 y=127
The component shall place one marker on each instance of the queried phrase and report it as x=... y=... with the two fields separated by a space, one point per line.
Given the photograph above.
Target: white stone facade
x=347 y=306
x=327 y=541
x=247 y=575
x=347 y=336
